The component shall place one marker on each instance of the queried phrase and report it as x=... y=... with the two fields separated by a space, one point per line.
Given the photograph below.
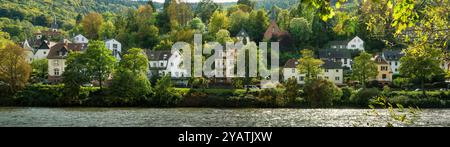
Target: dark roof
x=379 y=60
x=342 y=42
x=64 y=48
x=44 y=45
x=331 y=54
x=328 y=64
x=393 y=55
x=291 y=63
x=158 y=55
x=242 y=33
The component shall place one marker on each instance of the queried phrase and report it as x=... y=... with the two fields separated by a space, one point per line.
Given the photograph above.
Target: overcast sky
x=200 y=0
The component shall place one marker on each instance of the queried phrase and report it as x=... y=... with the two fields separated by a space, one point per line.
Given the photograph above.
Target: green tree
x=309 y=65
x=283 y=19
x=39 y=70
x=248 y=3
x=92 y=24
x=364 y=68
x=197 y=24
x=223 y=36
x=321 y=93
x=164 y=92
x=130 y=80
x=258 y=23
x=421 y=63
x=108 y=30
x=164 y=45
x=100 y=62
x=300 y=29
x=238 y=21
x=147 y=36
x=205 y=9
x=75 y=74
x=219 y=20
x=292 y=88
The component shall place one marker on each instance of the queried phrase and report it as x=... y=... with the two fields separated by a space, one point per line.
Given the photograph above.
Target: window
x=45 y=53
x=337 y=70
x=396 y=63
x=326 y=70
x=383 y=76
x=302 y=78
x=336 y=78
x=56 y=71
x=154 y=64
x=171 y=64
x=384 y=68
x=162 y=64
x=114 y=45
x=82 y=39
x=326 y=77
x=353 y=46
x=55 y=63
x=345 y=61
x=293 y=70
x=391 y=63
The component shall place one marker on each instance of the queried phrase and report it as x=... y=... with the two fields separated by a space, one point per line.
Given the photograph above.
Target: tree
x=300 y=29
x=292 y=88
x=75 y=74
x=92 y=24
x=223 y=36
x=39 y=70
x=219 y=20
x=205 y=9
x=165 y=94
x=147 y=36
x=321 y=93
x=283 y=19
x=130 y=80
x=164 y=45
x=100 y=62
x=309 y=65
x=258 y=23
x=249 y=3
x=108 y=30
x=180 y=13
x=421 y=63
x=14 y=69
x=364 y=68
x=238 y=21
x=197 y=24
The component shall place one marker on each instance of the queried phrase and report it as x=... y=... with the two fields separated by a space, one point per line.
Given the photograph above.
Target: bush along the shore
x=315 y=94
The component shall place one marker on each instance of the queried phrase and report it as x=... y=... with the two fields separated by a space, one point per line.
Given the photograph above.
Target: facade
x=342 y=56
x=57 y=59
x=80 y=39
x=384 y=70
x=157 y=62
x=243 y=37
x=332 y=71
x=175 y=66
x=115 y=46
x=42 y=51
x=393 y=58
x=354 y=44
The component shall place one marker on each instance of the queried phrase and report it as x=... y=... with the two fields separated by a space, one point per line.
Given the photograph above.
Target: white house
x=331 y=71
x=29 y=51
x=344 y=57
x=157 y=62
x=80 y=39
x=353 y=44
x=243 y=37
x=42 y=51
x=393 y=59
x=115 y=46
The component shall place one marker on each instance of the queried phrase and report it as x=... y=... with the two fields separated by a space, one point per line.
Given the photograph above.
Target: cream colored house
x=57 y=59
x=384 y=70
x=332 y=71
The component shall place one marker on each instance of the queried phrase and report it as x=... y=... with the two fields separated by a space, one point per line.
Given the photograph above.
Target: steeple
x=54 y=26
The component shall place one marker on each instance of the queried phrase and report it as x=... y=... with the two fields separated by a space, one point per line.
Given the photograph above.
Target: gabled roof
x=393 y=55
x=341 y=42
x=328 y=64
x=242 y=33
x=158 y=55
x=379 y=60
x=332 y=53
x=65 y=47
x=291 y=63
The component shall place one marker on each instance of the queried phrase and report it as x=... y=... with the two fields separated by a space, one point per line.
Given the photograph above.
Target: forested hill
x=16 y=16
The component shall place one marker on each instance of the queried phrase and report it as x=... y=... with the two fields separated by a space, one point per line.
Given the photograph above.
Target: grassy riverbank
x=52 y=96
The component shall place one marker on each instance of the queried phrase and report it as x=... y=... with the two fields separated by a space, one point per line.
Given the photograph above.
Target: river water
x=208 y=117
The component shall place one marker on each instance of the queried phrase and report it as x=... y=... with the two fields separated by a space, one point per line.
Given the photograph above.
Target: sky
x=200 y=0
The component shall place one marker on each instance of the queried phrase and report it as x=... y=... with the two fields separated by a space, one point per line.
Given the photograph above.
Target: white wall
x=41 y=53
x=173 y=66
x=115 y=47
x=334 y=75
x=356 y=43
x=80 y=39
x=56 y=64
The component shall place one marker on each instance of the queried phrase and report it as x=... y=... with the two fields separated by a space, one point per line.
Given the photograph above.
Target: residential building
x=115 y=46
x=385 y=73
x=332 y=71
x=393 y=58
x=243 y=37
x=80 y=39
x=354 y=44
x=342 y=56
x=57 y=59
x=157 y=62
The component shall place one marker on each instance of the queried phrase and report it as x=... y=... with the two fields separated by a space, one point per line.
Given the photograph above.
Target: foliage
x=197 y=24
x=400 y=114
x=218 y=21
x=75 y=74
x=363 y=96
x=223 y=36
x=300 y=29
x=309 y=65
x=100 y=62
x=205 y=9
x=324 y=98
x=258 y=23
x=364 y=68
x=238 y=20
x=92 y=25
x=39 y=70
x=292 y=89
x=164 y=93
x=14 y=69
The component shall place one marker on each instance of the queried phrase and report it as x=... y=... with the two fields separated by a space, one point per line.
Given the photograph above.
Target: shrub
x=321 y=93
x=363 y=96
x=347 y=92
x=165 y=95
x=292 y=88
x=271 y=97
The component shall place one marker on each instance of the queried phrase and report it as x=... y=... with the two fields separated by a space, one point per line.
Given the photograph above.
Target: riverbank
x=53 y=96
x=206 y=117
